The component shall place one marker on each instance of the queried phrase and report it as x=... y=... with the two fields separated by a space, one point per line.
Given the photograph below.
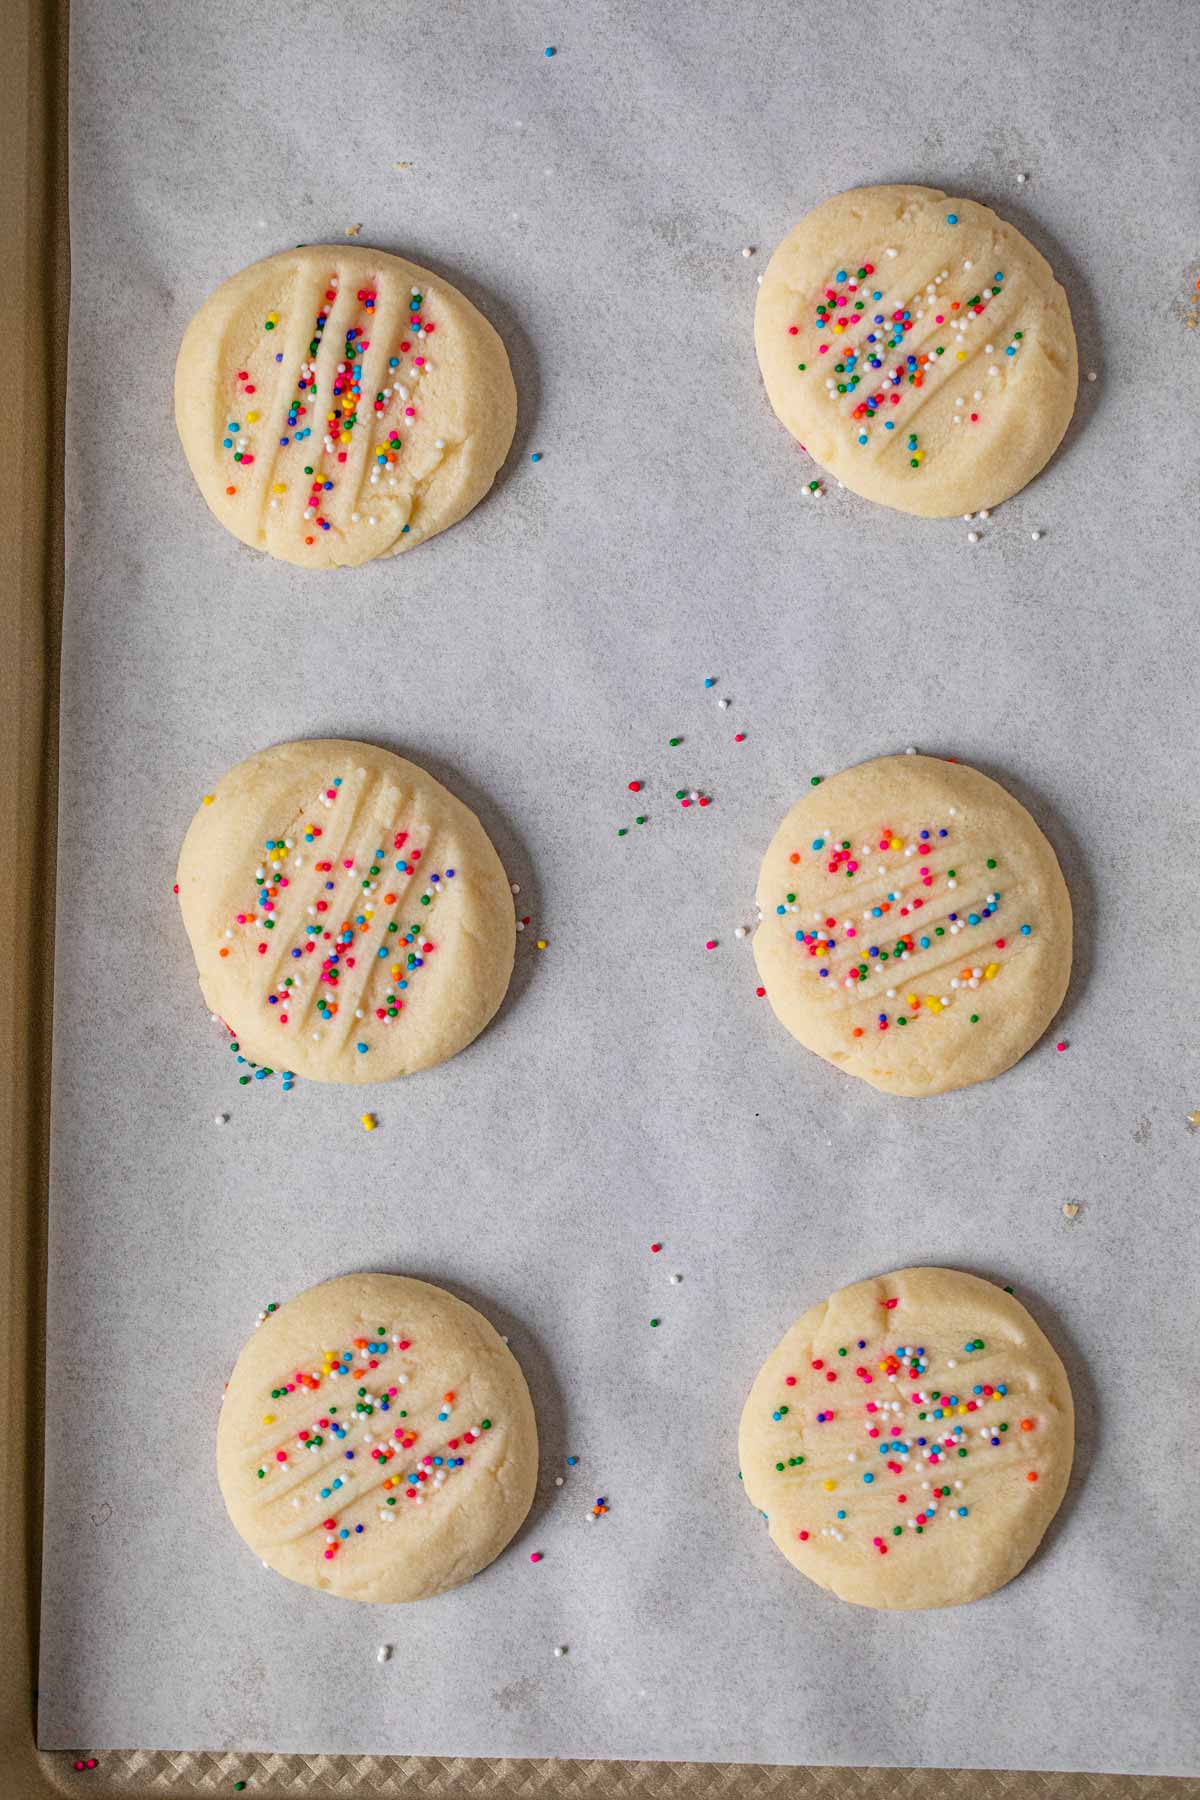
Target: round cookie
x=918 y=347
x=916 y=927
x=336 y=404
x=910 y=1440
x=349 y=917
x=349 y=1412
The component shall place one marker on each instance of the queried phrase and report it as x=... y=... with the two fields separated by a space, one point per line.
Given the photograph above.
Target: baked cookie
x=910 y=1440
x=377 y=1440
x=918 y=347
x=349 y=917
x=337 y=404
x=916 y=928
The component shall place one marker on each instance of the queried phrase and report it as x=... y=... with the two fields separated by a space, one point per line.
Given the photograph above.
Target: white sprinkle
x=221 y=1119
x=1022 y=179
x=985 y=514
x=739 y=931
x=724 y=705
x=972 y=537
x=747 y=249
x=558 y=1481
x=911 y=751
x=383 y=1653
x=1036 y=536
x=889 y=252
x=1091 y=374
x=560 y=1649
x=675 y=1280
x=968 y=517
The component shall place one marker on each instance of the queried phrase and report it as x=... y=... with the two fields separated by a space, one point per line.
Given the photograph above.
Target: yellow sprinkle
x=281 y=487
x=268 y=1418
x=961 y=356
x=829 y=1486
x=542 y=944
x=209 y=798
x=933 y=1003
x=345 y=438
x=369 y=1121
x=895 y=843
x=992 y=969
x=912 y=1000
x=252 y=418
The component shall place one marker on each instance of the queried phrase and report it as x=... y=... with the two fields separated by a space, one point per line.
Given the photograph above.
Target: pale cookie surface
x=337 y=404
x=918 y=347
x=910 y=1440
x=377 y=1440
x=349 y=917
x=916 y=927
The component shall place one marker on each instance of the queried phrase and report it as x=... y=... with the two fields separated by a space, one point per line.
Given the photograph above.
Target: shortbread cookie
x=916 y=928
x=910 y=1440
x=918 y=347
x=337 y=404
x=349 y=918
x=377 y=1440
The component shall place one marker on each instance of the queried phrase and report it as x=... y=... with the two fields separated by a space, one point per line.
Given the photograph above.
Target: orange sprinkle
x=389 y=899
x=1026 y=1424
x=857 y=1032
x=794 y=857
x=1032 y=1475
x=222 y=953
x=308 y=540
x=447 y=1398
x=231 y=490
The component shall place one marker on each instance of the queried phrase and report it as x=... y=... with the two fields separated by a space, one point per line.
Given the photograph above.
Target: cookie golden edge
x=964 y=499
x=212 y=841
x=255 y=1364
x=1049 y=1491
x=200 y=402
x=797 y=1019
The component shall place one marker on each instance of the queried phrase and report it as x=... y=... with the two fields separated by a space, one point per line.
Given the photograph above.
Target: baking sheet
x=634 y=1089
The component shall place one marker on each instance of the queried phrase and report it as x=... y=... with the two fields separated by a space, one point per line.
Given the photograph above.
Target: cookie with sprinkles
x=377 y=1440
x=349 y=916
x=915 y=926
x=910 y=1440
x=336 y=404
x=918 y=347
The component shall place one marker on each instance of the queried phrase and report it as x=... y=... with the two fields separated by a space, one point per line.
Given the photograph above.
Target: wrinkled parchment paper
x=538 y=657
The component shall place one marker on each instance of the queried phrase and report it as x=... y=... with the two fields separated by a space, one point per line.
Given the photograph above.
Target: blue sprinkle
x=550 y=50
x=536 y=456
x=1011 y=351
x=952 y=218
x=361 y=1048
x=868 y=1478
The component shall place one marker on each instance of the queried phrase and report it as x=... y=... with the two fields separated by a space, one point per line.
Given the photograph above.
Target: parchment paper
x=538 y=657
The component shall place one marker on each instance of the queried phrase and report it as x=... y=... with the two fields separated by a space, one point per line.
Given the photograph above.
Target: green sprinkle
x=654 y=1321
x=991 y=862
x=802 y=365
x=622 y=831
x=641 y=819
x=674 y=741
x=974 y=1018
x=814 y=781
x=485 y=1424
x=841 y=1353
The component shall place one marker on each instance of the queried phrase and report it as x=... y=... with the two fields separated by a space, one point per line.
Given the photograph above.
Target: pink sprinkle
x=739 y=737
x=789 y=1381
x=535 y=1556
x=1061 y=1044
x=711 y=944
